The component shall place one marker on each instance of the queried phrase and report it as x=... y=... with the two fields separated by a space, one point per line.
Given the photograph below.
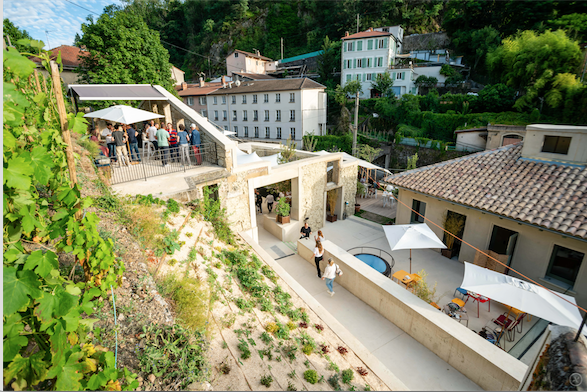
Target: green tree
x=574 y=24
x=329 y=60
x=383 y=84
x=122 y=49
x=496 y=98
x=12 y=31
x=529 y=62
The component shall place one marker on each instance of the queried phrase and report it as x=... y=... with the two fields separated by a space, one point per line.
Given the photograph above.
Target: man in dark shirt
x=195 y=143
x=120 y=140
x=306 y=231
x=133 y=143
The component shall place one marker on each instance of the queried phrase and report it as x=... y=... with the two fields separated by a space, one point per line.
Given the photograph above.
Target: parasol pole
x=410 y=260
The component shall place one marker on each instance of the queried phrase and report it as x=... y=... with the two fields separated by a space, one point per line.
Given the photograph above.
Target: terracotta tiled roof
x=254 y=76
x=365 y=34
x=270 y=85
x=195 y=89
x=69 y=55
x=549 y=195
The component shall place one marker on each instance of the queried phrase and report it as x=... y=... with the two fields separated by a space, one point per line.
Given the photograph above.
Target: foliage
x=191 y=300
x=329 y=60
x=173 y=353
x=331 y=199
x=422 y=290
x=383 y=84
x=453 y=223
x=368 y=153
x=475 y=44
x=211 y=210
x=496 y=98
x=309 y=142
x=243 y=346
x=282 y=207
x=347 y=376
x=426 y=81
x=575 y=25
x=350 y=89
x=46 y=315
x=122 y=49
x=266 y=380
x=334 y=382
x=11 y=30
x=266 y=338
x=311 y=376
x=361 y=188
x=412 y=161
x=344 y=143
x=287 y=151
x=271 y=327
x=331 y=365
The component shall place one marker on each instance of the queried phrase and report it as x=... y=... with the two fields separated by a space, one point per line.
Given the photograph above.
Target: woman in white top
x=320 y=236
x=329 y=275
x=318 y=253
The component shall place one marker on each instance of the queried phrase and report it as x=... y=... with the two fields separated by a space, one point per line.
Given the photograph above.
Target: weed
x=244 y=347
x=278 y=359
x=172 y=262
x=321 y=379
x=282 y=332
x=224 y=344
x=210 y=209
x=307 y=363
x=217 y=265
x=266 y=352
x=352 y=388
x=170 y=244
x=265 y=304
x=311 y=376
x=189 y=234
x=342 y=350
x=334 y=382
x=192 y=255
x=291 y=326
x=292 y=374
x=224 y=368
x=266 y=338
x=308 y=349
x=190 y=300
x=362 y=371
x=271 y=327
x=331 y=365
x=347 y=376
x=319 y=327
x=268 y=272
x=266 y=380
x=294 y=314
x=227 y=320
x=243 y=304
x=291 y=386
x=303 y=325
x=367 y=387
x=324 y=348
x=290 y=351
x=305 y=316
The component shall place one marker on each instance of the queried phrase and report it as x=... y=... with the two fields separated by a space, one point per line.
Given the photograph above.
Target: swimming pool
x=375 y=262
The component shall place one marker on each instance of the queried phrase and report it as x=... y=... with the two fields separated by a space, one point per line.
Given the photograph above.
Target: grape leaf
x=31 y=369
x=18 y=64
x=59 y=345
x=42 y=263
x=9 y=140
x=42 y=164
x=96 y=381
x=55 y=304
x=17 y=174
x=68 y=375
x=14 y=341
x=72 y=320
x=18 y=287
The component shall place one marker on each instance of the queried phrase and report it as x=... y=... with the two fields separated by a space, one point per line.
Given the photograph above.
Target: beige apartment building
x=252 y=63
x=526 y=200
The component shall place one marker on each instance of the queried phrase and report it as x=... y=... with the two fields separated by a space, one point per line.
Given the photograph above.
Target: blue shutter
x=344 y=46
x=354 y=63
x=385 y=40
x=370 y=44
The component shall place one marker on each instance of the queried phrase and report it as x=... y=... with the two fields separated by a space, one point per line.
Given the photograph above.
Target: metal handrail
x=375 y=252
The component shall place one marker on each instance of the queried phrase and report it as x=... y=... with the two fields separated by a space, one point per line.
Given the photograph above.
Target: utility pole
x=282 y=48
x=357 y=23
x=584 y=63
x=356 y=128
x=209 y=71
x=47 y=35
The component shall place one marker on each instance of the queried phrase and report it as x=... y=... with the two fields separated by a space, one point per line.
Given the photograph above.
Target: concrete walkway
x=411 y=362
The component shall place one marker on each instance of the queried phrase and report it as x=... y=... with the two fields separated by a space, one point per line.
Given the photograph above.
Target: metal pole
x=357 y=23
x=356 y=125
x=282 y=48
x=581 y=327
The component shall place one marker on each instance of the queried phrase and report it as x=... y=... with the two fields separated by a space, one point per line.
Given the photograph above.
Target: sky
x=60 y=18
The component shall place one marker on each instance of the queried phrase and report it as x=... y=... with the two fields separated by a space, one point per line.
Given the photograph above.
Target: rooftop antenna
x=47 y=35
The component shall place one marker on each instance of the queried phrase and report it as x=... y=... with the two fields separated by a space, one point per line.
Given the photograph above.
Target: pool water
x=375 y=262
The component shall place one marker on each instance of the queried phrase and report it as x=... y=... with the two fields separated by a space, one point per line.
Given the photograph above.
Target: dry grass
x=191 y=300
x=146 y=225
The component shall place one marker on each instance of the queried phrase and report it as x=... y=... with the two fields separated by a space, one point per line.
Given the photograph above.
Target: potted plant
x=282 y=210
x=453 y=224
x=331 y=198
x=361 y=189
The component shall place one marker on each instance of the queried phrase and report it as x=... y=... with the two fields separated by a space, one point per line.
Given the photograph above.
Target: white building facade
x=241 y=61
x=270 y=110
x=369 y=53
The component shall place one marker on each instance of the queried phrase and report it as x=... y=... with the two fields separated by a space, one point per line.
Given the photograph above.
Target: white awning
x=116 y=92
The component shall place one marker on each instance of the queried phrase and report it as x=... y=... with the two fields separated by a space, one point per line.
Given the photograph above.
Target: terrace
x=407 y=355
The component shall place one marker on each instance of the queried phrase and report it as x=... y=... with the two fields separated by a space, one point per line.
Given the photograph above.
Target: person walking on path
x=320 y=236
x=184 y=146
x=163 y=144
x=133 y=142
x=305 y=231
x=318 y=254
x=329 y=275
x=270 y=199
x=195 y=143
x=120 y=141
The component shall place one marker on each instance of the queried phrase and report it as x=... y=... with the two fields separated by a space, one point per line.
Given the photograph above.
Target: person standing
x=152 y=135
x=163 y=144
x=270 y=200
x=120 y=141
x=133 y=143
x=318 y=254
x=258 y=201
x=195 y=143
x=184 y=146
x=305 y=231
x=320 y=236
x=173 y=145
x=107 y=134
x=329 y=275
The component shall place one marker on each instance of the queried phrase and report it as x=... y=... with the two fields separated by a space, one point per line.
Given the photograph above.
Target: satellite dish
x=237 y=83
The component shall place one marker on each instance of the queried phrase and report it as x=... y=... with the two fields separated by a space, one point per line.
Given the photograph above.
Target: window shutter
x=344 y=46
x=393 y=75
x=364 y=77
x=370 y=44
x=344 y=64
x=364 y=62
x=354 y=63
x=385 y=40
x=359 y=45
x=403 y=76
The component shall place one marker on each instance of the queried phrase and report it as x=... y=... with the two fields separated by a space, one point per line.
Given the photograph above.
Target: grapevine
x=46 y=315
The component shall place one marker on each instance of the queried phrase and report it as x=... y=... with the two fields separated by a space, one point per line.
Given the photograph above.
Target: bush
x=347 y=376
x=311 y=376
x=190 y=298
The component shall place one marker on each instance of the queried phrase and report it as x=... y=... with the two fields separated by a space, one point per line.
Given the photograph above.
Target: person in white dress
x=329 y=275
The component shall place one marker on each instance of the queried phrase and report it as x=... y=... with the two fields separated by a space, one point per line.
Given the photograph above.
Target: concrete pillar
x=167 y=112
x=387 y=159
x=155 y=109
x=296 y=198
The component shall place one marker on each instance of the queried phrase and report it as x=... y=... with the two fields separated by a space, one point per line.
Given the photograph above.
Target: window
x=267 y=132
x=246 y=131
x=292 y=115
x=266 y=115
x=369 y=76
x=226 y=127
x=233 y=99
x=224 y=100
x=215 y=115
x=190 y=101
x=279 y=132
x=359 y=45
x=224 y=115
x=257 y=62
x=278 y=115
x=399 y=75
x=255 y=115
x=349 y=63
x=419 y=206
x=349 y=77
x=245 y=116
x=350 y=46
x=234 y=115
x=236 y=130
x=370 y=44
x=556 y=144
x=292 y=132
x=265 y=98
x=204 y=113
x=215 y=100
x=257 y=132
x=254 y=98
x=235 y=54
x=358 y=77
x=202 y=101
x=369 y=62
x=382 y=43
x=292 y=97
x=565 y=264
x=277 y=97
x=379 y=62
x=359 y=63
x=244 y=99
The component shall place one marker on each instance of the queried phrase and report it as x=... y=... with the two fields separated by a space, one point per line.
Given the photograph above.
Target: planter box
x=331 y=218
x=283 y=219
x=357 y=208
x=447 y=253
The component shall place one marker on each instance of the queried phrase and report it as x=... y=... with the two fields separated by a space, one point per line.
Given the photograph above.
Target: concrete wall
x=496 y=133
x=535 y=139
x=485 y=364
x=533 y=249
x=472 y=139
x=235 y=64
x=313 y=111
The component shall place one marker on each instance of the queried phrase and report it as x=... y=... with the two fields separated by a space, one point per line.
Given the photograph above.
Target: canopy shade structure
x=273 y=159
x=228 y=133
x=414 y=236
x=243 y=158
x=361 y=162
x=522 y=295
x=115 y=92
x=123 y=114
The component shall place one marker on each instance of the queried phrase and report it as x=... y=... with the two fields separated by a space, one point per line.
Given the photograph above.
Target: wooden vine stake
x=65 y=134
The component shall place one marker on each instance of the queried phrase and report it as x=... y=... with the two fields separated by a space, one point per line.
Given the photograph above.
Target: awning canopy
x=349 y=158
x=115 y=92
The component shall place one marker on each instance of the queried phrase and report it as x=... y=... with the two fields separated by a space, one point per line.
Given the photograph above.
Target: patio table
x=406 y=278
x=478 y=298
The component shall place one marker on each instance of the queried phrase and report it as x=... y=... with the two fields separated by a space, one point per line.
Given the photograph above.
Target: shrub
x=271 y=327
x=291 y=326
x=311 y=376
x=266 y=380
x=347 y=376
x=190 y=300
x=244 y=347
x=308 y=349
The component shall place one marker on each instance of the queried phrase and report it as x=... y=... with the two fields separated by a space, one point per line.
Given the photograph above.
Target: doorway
x=503 y=242
x=456 y=247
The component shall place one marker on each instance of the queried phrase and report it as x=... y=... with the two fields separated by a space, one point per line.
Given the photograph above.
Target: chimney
x=370 y=29
x=201 y=82
x=223 y=82
x=257 y=52
x=346 y=33
x=184 y=86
